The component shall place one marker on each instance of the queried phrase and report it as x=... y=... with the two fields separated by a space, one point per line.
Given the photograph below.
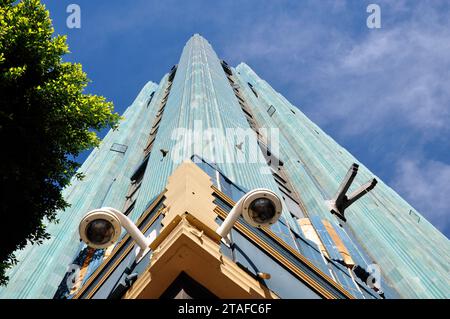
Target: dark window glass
x=252 y=88
x=150 y=99
x=271 y=110
x=184 y=287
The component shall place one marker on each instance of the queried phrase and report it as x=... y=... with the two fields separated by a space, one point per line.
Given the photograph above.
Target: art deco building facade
x=187 y=150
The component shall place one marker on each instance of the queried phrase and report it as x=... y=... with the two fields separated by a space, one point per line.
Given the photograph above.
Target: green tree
x=46 y=120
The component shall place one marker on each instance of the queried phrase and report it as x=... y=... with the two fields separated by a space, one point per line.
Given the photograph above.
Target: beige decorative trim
x=339 y=243
x=310 y=233
x=189 y=190
x=186 y=248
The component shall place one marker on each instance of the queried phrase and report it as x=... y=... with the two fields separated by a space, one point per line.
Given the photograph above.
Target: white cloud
x=401 y=73
x=426 y=185
x=398 y=74
x=386 y=90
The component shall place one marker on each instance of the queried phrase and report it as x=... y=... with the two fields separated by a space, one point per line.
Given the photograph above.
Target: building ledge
x=186 y=248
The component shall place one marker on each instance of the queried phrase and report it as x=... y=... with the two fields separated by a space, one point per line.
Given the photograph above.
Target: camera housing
x=259 y=207
x=99 y=229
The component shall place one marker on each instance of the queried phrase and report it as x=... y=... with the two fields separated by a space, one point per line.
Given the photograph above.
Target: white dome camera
x=100 y=228
x=259 y=207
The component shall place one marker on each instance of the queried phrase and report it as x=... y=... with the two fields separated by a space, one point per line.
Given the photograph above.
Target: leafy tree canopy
x=46 y=120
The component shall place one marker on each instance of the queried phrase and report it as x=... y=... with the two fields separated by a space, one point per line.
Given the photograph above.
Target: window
x=293 y=207
x=158 y=119
x=282 y=186
x=133 y=191
x=172 y=75
x=278 y=177
x=271 y=110
x=120 y=148
x=218 y=179
x=135 y=185
x=208 y=169
x=155 y=129
x=228 y=188
x=150 y=99
x=149 y=145
x=129 y=206
x=166 y=96
x=252 y=88
x=247 y=113
x=414 y=215
x=161 y=109
x=132 y=196
x=239 y=98
x=226 y=68
x=253 y=125
x=139 y=172
x=273 y=161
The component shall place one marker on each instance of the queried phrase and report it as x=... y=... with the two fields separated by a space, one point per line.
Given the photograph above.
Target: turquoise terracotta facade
x=413 y=255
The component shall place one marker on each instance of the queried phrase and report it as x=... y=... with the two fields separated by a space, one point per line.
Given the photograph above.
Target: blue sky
x=384 y=94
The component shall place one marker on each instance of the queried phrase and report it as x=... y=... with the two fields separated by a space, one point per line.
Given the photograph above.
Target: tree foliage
x=46 y=120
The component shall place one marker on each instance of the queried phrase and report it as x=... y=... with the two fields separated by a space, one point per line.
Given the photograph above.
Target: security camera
x=100 y=228
x=259 y=207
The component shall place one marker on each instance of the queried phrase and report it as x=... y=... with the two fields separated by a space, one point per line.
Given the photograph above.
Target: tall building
x=187 y=150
